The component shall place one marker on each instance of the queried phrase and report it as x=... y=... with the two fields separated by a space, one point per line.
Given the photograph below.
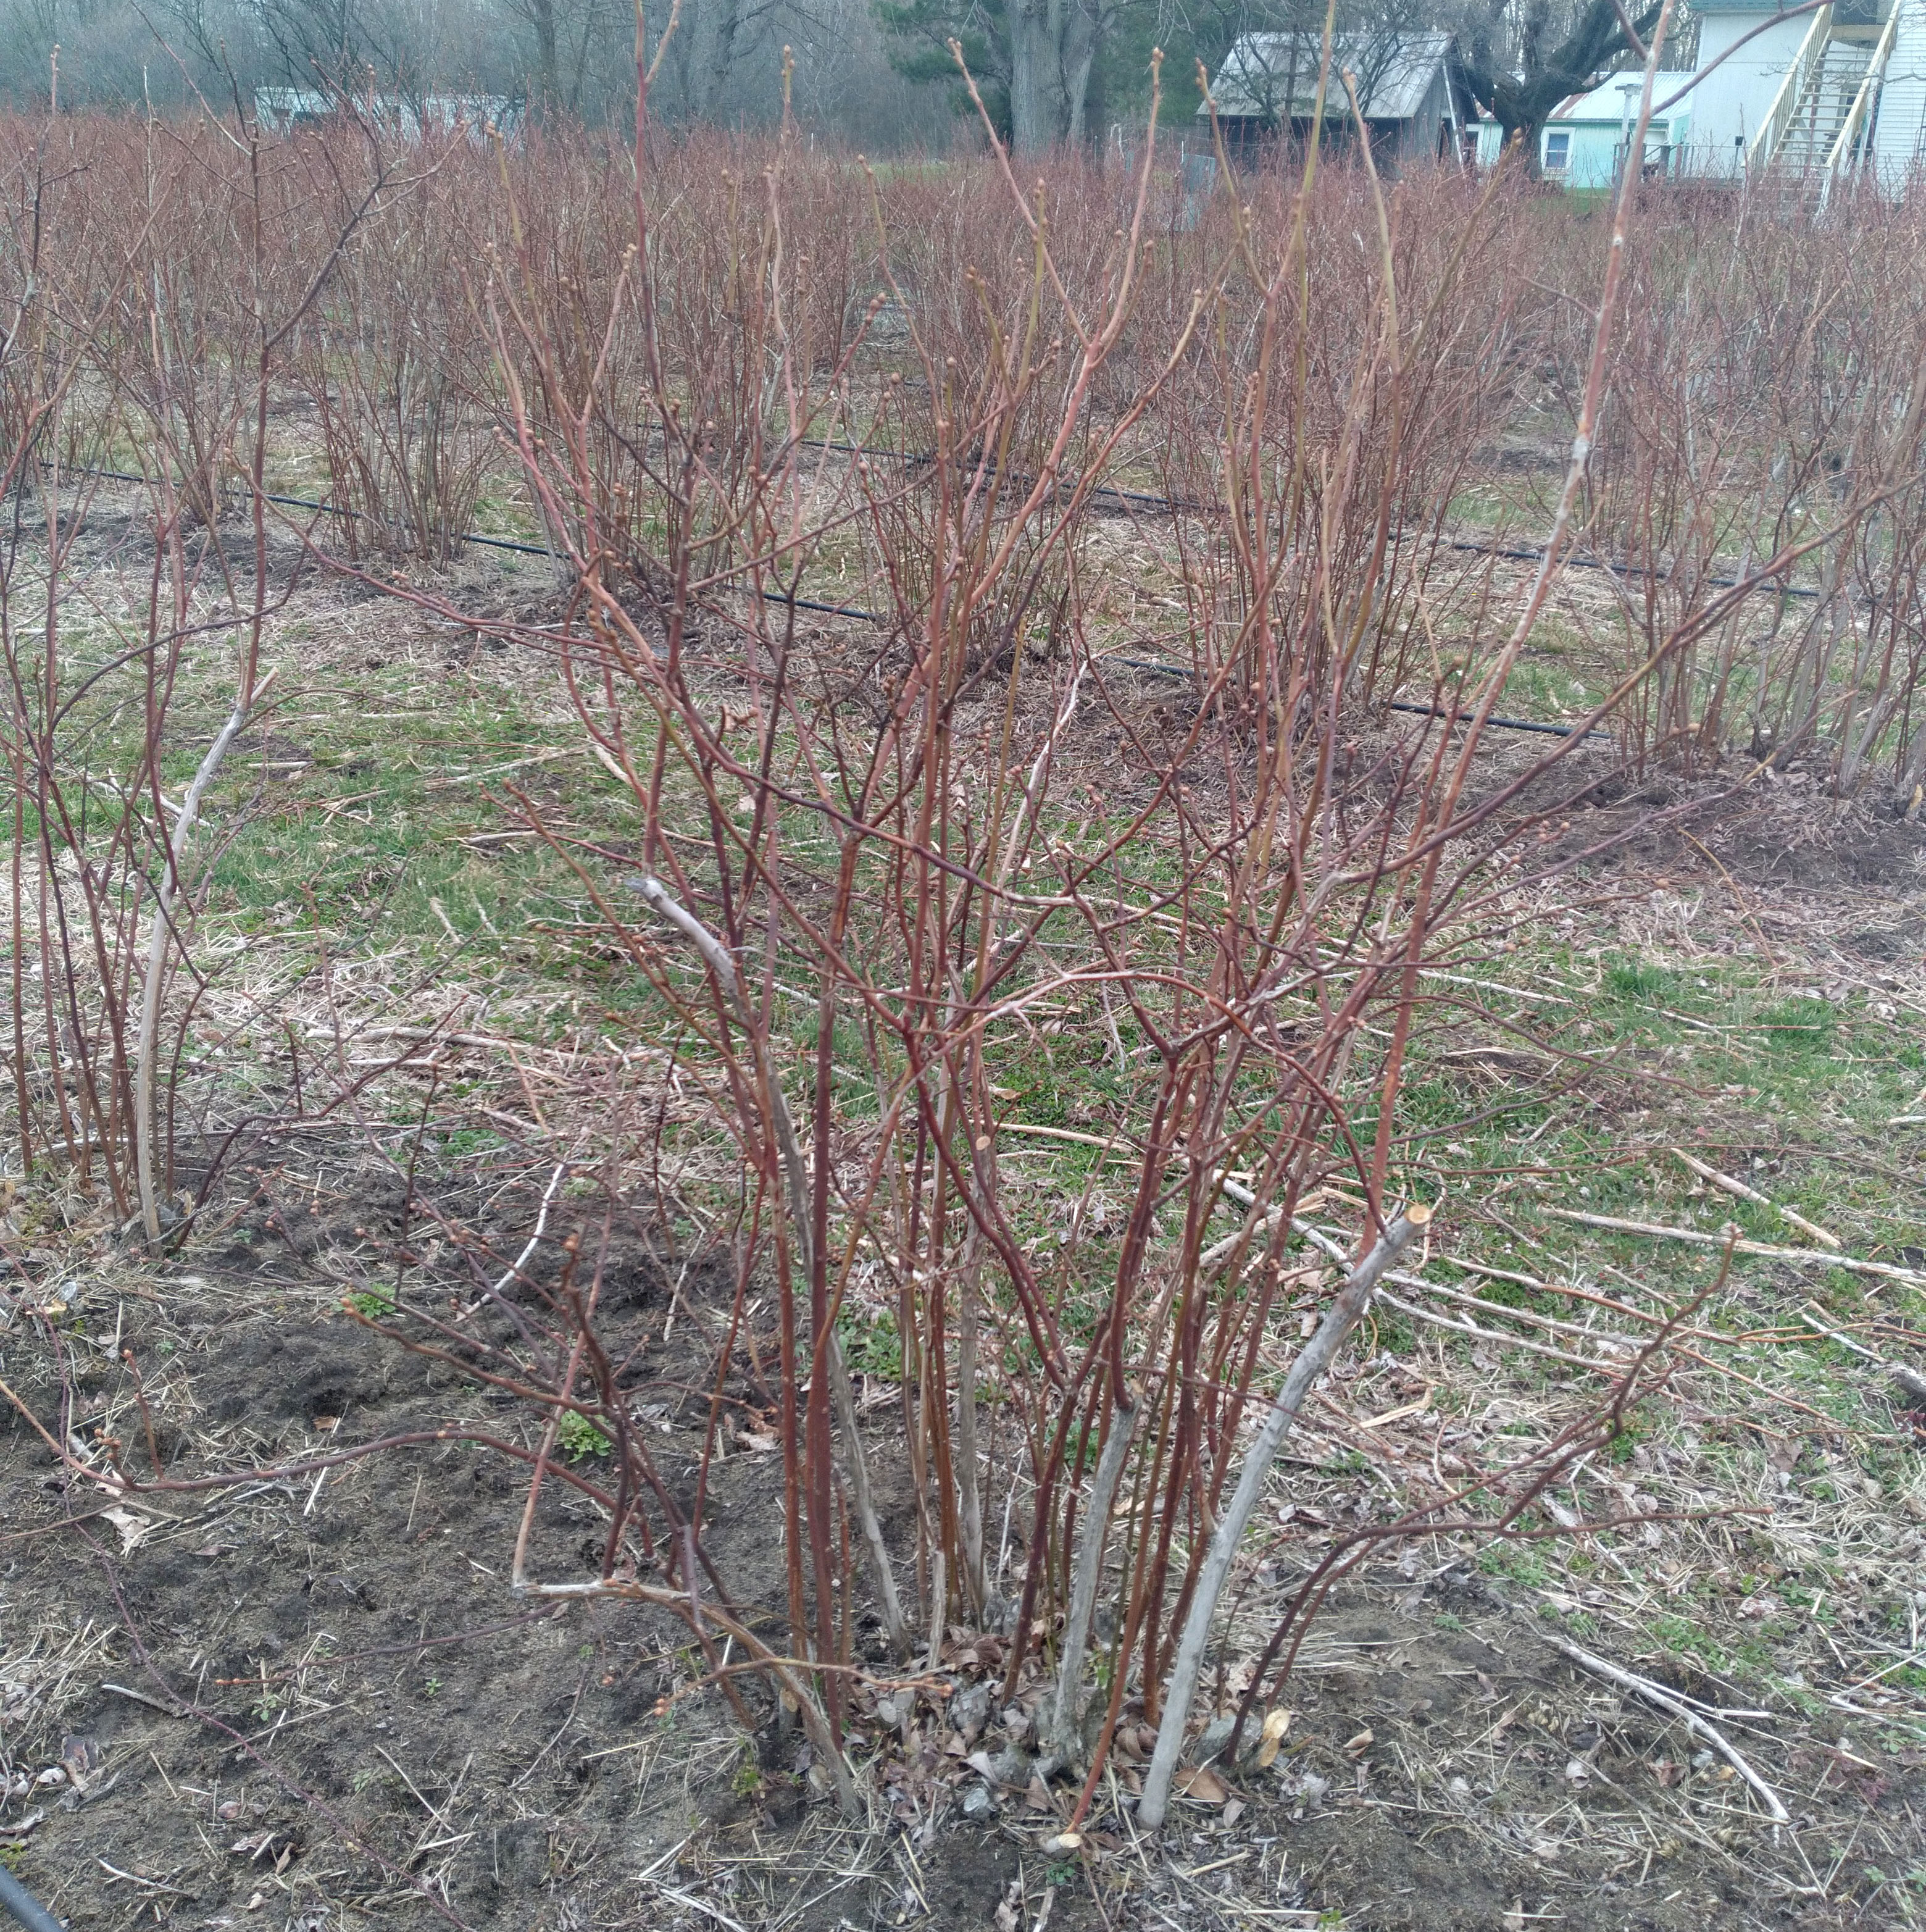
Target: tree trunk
x=1053 y=48
x=1521 y=93
x=707 y=39
x=1081 y=29
x=1032 y=65
x=548 y=77
x=1529 y=136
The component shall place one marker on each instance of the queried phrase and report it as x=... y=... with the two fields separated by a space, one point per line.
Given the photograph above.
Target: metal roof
x=283 y=106
x=1394 y=72
x=1607 y=103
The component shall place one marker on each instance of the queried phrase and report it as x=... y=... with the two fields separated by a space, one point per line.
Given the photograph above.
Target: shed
x=285 y=110
x=1267 y=88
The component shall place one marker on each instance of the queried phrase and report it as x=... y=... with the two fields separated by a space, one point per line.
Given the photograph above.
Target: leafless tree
x=577 y=46
x=1521 y=58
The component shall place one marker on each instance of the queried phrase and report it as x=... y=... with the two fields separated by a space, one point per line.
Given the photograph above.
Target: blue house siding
x=1866 y=56
x=1581 y=150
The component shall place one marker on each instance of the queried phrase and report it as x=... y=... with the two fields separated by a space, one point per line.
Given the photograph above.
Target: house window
x=1558 y=152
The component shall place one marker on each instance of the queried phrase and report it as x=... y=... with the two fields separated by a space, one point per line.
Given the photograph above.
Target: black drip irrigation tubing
x=25 y=1906
x=1157 y=664
x=473 y=537
x=1504 y=724
x=1167 y=669
x=332 y=509
x=1578 y=560
x=832 y=610
x=913 y=460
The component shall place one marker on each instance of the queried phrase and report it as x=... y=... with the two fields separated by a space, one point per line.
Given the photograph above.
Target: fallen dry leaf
x=1362 y=1741
x=1203 y=1784
x=133 y=1529
x=80 y=1758
x=1276 y=1723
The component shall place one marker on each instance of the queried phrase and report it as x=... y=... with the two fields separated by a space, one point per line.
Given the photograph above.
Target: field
x=883 y=1048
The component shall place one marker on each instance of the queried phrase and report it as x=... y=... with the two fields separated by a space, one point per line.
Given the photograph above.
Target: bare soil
x=310 y=1699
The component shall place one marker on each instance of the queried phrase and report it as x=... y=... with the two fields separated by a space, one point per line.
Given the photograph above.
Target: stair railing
x=1786 y=103
x=1859 y=121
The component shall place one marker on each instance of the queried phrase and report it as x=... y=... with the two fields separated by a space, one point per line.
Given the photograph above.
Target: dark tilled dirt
x=312 y=1700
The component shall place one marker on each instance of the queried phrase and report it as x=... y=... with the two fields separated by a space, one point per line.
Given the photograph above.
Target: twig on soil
x=1752 y=1194
x=1465 y=1326
x=1496 y=986
x=1669 y=1324
x=521 y=1261
x=135 y=1878
x=1738 y=899
x=1059 y=1134
x=1699 y=1238
x=1668 y=1701
x=534 y=1762
x=166 y=1710
x=689 y=1902
x=1845 y=1342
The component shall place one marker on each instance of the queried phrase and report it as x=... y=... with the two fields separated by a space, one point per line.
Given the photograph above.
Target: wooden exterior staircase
x=1823 y=124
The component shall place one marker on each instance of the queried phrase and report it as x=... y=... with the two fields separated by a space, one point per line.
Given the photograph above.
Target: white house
x=1816 y=96
x=1730 y=105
